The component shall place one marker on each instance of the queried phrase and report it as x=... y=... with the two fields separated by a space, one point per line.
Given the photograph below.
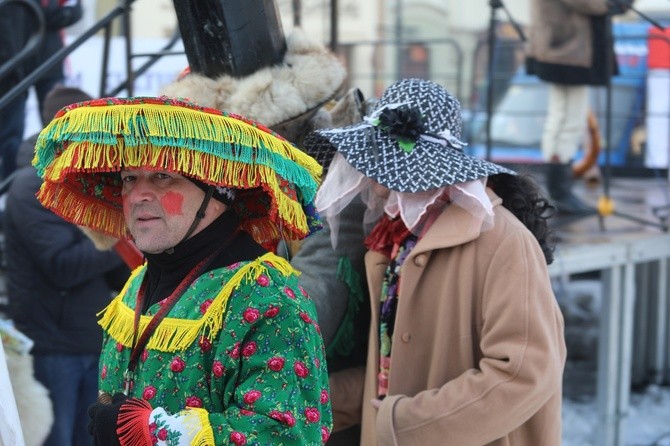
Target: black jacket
x=56 y=279
x=14 y=21
x=19 y=24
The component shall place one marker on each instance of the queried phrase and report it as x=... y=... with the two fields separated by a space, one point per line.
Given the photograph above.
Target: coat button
x=420 y=260
x=406 y=337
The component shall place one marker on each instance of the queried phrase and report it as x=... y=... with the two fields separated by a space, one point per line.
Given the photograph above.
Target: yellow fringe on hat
x=69 y=203
x=160 y=125
x=217 y=148
x=178 y=334
x=65 y=199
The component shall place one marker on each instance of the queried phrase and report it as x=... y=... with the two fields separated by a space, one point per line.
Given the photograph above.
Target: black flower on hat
x=403 y=123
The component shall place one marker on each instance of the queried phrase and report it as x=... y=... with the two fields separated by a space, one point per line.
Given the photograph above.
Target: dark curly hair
x=522 y=196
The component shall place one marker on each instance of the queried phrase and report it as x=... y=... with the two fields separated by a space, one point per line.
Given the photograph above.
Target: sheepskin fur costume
x=32 y=399
x=284 y=97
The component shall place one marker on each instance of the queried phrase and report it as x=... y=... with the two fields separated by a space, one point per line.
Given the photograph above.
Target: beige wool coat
x=478 y=348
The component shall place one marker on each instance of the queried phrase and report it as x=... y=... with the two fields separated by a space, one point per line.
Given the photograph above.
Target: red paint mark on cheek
x=172 y=203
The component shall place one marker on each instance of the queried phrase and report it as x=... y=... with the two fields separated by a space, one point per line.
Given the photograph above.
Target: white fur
x=308 y=76
x=32 y=399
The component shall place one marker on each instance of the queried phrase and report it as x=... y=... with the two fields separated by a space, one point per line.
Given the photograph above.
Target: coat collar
x=456 y=226
x=453 y=227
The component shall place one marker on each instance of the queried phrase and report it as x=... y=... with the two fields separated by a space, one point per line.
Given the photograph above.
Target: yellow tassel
x=167 y=121
x=198 y=419
x=80 y=157
x=178 y=334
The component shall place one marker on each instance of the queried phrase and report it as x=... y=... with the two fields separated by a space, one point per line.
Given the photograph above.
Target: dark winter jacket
x=56 y=279
x=13 y=17
x=22 y=24
x=567 y=42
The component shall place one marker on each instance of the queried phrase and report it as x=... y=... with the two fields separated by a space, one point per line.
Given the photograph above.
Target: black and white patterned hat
x=409 y=143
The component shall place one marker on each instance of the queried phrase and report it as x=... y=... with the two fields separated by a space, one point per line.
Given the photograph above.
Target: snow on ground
x=647 y=423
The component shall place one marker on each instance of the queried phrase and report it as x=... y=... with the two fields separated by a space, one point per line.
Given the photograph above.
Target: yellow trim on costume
x=199 y=420
x=174 y=334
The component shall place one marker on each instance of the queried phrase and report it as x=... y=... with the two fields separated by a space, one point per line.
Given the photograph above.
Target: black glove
x=617 y=7
x=103 y=423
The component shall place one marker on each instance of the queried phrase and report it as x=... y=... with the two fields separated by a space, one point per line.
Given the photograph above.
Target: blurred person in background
x=57 y=281
x=568 y=49
x=19 y=24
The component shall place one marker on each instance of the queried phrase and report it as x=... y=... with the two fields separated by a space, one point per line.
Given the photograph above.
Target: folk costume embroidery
x=220 y=365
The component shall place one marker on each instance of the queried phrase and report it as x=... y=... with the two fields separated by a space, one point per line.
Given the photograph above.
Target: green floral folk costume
x=238 y=357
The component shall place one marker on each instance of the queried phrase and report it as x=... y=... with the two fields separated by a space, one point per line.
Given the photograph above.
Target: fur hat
x=80 y=153
x=284 y=97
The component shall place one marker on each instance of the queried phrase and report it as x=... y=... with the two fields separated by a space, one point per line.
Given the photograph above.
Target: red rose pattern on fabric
x=262 y=379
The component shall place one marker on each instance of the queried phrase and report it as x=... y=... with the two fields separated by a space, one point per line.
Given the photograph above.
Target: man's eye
x=127 y=178
x=162 y=176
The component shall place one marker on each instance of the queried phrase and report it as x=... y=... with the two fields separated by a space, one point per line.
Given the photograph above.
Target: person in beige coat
x=466 y=342
x=569 y=49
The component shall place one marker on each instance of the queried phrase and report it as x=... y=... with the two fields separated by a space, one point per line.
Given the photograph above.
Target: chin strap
x=199 y=215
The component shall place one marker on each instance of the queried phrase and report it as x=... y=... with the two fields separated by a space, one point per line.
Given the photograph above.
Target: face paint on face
x=159 y=208
x=172 y=203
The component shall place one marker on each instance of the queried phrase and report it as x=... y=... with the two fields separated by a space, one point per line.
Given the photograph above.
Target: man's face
x=160 y=206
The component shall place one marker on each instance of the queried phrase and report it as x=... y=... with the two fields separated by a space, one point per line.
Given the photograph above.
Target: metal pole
x=494 y=4
x=334 y=25
x=297 y=13
x=127 y=25
x=398 y=38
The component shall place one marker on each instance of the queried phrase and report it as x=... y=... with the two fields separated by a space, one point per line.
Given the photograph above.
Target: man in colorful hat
x=466 y=338
x=212 y=340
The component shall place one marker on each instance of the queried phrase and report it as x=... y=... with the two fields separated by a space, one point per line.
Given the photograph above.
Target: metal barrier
x=634 y=275
x=373 y=65
x=123 y=11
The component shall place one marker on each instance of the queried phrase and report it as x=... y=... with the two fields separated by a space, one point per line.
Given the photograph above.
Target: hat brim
x=81 y=152
x=377 y=155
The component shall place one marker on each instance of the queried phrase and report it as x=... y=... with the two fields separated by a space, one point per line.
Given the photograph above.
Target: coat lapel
x=454 y=227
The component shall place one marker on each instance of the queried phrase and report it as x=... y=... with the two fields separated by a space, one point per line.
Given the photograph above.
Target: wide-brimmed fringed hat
x=408 y=143
x=80 y=153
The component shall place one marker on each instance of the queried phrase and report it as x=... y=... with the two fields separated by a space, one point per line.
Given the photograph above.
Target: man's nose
x=140 y=191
